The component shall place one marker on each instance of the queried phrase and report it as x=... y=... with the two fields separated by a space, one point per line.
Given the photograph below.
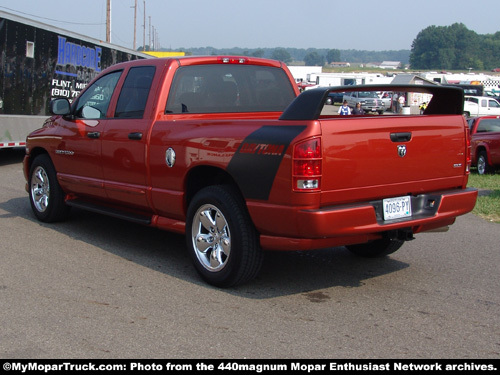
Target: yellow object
x=165 y=53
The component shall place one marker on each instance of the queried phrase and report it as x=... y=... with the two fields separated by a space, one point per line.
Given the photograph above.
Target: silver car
x=370 y=102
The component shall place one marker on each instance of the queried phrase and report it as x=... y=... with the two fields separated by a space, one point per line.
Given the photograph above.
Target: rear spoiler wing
x=445 y=100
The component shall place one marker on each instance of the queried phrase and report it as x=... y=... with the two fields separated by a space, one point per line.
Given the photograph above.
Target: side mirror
x=60 y=106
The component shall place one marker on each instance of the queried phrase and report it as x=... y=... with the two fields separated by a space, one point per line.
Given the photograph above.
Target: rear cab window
x=222 y=88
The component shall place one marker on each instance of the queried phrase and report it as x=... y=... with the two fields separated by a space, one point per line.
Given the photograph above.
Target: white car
x=386 y=98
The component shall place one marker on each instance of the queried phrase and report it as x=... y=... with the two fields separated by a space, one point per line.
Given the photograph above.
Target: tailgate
x=389 y=156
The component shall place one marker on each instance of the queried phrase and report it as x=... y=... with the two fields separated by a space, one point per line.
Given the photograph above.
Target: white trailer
x=304 y=73
x=348 y=79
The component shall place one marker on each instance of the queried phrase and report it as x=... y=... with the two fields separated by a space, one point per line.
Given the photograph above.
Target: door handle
x=401 y=137
x=136 y=136
x=93 y=135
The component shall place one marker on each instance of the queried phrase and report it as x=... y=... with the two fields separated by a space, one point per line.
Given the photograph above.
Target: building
x=390 y=65
x=340 y=64
x=413 y=99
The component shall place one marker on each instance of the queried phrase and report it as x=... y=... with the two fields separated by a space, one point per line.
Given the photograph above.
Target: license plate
x=396 y=208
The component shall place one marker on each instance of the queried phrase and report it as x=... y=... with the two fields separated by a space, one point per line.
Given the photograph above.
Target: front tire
x=46 y=195
x=377 y=248
x=221 y=238
x=483 y=167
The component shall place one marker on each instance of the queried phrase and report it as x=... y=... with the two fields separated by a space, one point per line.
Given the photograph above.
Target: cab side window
x=135 y=92
x=488 y=126
x=493 y=104
x=94 y=102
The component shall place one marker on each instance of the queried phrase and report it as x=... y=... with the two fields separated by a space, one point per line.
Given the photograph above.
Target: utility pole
x=144 y=33
x=135 y=25
x=152 y=38
x=108 y=21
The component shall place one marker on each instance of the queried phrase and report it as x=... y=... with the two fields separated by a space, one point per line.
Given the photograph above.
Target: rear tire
x=377 y=248
x=46 y=195
x=221 y=238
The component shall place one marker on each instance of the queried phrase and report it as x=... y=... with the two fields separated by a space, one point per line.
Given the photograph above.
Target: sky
x=332 y=24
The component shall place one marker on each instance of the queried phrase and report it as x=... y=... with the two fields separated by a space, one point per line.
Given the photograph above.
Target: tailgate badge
x=402 y=150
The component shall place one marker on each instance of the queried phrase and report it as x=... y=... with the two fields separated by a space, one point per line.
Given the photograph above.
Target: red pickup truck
x=224 y=150
x=485 y=143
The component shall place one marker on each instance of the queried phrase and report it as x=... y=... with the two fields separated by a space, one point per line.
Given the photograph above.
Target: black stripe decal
x=256 y=162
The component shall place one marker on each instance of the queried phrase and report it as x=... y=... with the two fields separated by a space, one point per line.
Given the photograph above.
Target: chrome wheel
x=211 y=238
x=483 y=167
x=221 y=238
x=481 y=164
x=47 y=198
x=40 y=189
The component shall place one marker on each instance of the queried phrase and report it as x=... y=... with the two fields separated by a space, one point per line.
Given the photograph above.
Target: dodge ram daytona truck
x=226 y=151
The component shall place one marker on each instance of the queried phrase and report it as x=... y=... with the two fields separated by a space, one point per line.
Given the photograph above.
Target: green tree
x=466 y=47
x=314 y=59
x=258 y=53
x=281 y=54
x=425 y=52
x=454 y=47
x=332 y=55
x=490 y=51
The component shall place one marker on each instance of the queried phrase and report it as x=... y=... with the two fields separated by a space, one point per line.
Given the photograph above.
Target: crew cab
x=481 y=106
x=370 y=102
x=485 y=143
x=226 y=151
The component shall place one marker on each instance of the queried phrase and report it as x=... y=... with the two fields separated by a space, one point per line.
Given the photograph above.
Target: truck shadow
x=11 y=155
x=283 y=273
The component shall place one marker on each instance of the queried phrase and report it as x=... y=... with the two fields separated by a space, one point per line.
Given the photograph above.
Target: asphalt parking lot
x=95 y=287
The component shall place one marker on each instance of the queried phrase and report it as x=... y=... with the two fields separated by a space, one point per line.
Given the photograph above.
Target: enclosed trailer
x=39 y=63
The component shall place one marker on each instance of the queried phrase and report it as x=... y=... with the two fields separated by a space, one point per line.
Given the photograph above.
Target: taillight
x=232 y=60
x=468 y=159
x=307 y=165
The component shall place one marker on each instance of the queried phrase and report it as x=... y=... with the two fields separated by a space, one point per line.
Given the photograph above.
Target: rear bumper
x=286 y=228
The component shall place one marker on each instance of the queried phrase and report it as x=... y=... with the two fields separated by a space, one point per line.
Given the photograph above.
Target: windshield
x=368 y=94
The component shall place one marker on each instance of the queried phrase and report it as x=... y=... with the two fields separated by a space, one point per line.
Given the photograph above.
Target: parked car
x=386 y=98
x=335 y=97
x=370 y=102
x=304 y=85
x=485 y=143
